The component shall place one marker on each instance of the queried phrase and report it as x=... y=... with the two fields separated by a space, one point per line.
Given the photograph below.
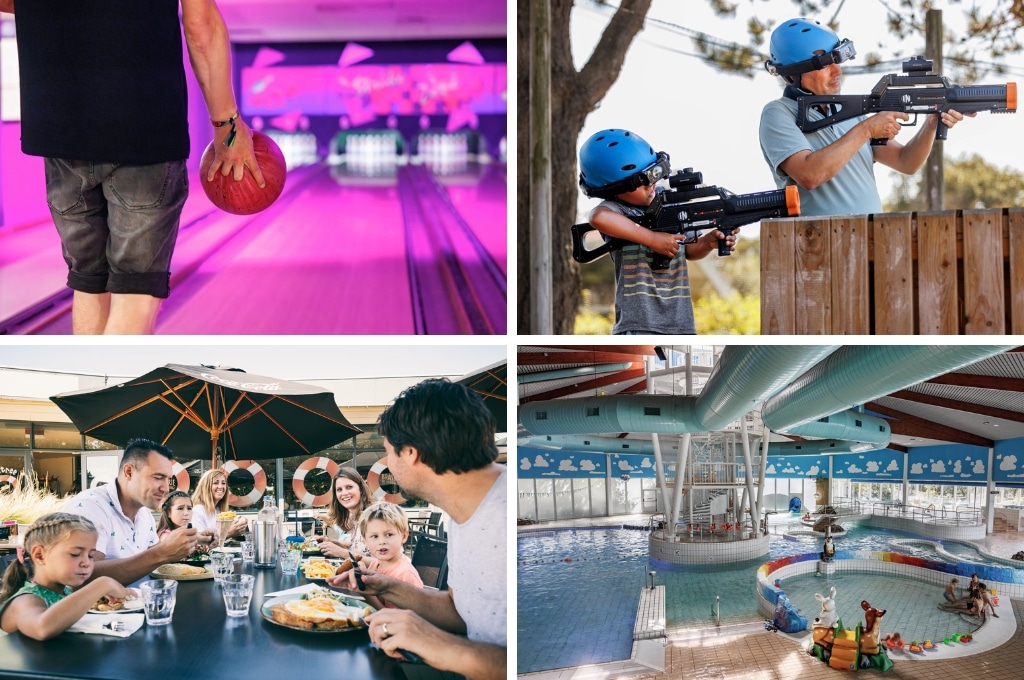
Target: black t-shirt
x=102 y=80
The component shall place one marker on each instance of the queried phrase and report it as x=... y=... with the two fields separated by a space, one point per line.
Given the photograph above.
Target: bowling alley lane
x=330 y=260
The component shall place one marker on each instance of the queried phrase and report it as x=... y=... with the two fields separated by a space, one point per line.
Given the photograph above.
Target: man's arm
x=407 y=631
x=909 y=159
x=209 y=52
x=811 y=169
x=177 y=545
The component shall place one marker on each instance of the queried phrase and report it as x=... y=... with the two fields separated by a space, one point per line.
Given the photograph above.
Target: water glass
x=222 y=564
x=237 y=590
x=248 y=551
x=290 y=560
x=158 y=598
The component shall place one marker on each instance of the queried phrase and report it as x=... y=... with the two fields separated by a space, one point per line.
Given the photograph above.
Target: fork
x=116 y=626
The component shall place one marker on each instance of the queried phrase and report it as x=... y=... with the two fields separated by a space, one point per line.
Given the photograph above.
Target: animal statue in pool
x=870 y=638
x=828 y=616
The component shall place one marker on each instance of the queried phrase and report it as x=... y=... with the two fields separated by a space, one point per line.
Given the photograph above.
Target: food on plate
x=319 y=613
x=108 y=604
x=230 y=514
x=181 y=570
x=310 y=545
x=318 y=569
x=200 y=554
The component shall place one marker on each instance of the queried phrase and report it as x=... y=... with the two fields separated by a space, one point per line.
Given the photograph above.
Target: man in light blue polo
x=128 y=547
x=832 y=167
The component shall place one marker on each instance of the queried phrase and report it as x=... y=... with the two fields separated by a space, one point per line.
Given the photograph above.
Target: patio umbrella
x=490 y=383
x=195 y=409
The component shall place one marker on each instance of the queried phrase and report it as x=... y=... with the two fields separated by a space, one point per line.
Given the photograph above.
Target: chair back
x=430 y=557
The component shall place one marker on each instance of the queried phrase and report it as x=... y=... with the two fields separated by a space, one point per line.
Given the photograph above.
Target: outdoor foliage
x=971 y=183
x=737 y=314
x=28 y=503
x=991 y=31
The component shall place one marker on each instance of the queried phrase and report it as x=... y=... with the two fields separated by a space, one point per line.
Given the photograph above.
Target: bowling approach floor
x=339 y=253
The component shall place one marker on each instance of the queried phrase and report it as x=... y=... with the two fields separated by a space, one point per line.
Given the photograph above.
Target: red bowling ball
x=245 y=197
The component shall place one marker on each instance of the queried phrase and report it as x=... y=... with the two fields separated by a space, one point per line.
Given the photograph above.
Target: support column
x=677 y=498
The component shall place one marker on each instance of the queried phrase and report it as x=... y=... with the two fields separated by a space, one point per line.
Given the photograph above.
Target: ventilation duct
x=744 y=377
x=858 y=374
x=580 y=371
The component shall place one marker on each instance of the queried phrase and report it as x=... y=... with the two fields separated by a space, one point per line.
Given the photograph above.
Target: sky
x=304 y=361
x=708 y=120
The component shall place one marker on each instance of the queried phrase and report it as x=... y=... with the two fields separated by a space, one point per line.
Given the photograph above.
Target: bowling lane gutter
x=47 y=310
x=447 y=263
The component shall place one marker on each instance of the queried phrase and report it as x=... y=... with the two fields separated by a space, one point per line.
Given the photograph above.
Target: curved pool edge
x=993 y=633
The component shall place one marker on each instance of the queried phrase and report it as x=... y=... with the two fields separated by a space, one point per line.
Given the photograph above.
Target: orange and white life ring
x=259 y=482
x=299 y=480
x=12 y=480
x=180 y=476
x=373 y=481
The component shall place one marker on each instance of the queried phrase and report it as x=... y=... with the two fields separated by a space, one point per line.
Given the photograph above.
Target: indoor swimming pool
x=578 y=591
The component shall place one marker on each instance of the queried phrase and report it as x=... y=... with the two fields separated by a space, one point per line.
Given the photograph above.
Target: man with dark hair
x=439 y=438
x=128 y=547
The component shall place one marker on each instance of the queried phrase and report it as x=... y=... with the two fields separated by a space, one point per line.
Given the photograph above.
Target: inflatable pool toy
x=915 y=648
x=956 y=637
x=948 y=642
x=966 y=638
x=928 y=644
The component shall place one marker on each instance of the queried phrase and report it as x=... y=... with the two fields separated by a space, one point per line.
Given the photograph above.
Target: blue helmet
x=794 y=43
x=614 y=157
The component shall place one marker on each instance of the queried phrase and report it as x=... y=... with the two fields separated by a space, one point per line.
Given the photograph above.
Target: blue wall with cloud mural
x=884 y=464
x=796 y=466
x=1009 y=461
x=953 y=463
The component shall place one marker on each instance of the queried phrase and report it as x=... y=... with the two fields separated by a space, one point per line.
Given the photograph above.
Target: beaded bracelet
x=230 y=141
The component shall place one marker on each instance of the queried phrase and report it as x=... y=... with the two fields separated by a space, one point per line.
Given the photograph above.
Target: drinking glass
x=290 y=560
x=248 y=551
x=158 y=599
x=237 y=589
x=222 y=564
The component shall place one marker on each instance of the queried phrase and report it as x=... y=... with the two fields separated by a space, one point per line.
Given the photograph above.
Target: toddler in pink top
x=385 y=530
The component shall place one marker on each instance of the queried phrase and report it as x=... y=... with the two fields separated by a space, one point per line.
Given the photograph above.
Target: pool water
x=578 y=591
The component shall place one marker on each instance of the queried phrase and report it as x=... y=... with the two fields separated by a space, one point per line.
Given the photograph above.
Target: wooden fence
x=948 y=273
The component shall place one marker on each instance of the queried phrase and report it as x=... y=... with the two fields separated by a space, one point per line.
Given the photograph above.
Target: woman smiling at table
x=351 y=497
x=210 y=498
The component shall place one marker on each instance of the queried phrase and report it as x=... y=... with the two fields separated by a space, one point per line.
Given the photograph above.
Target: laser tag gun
x=690 y=207
x=919 y=91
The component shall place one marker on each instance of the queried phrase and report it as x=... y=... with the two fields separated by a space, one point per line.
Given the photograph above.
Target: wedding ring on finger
x=384 y=629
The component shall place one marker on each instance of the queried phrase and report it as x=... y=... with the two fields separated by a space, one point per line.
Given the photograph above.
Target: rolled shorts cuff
x=87 y=283
x=156 y=284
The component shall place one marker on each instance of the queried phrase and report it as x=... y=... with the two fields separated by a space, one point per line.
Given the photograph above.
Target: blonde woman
x=351 y=497
x=210 y=498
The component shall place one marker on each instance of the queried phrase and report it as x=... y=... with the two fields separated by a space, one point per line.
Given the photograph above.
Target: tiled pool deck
x=749 y=652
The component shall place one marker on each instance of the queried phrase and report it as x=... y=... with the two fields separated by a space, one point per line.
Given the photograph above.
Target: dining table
x=203 y=642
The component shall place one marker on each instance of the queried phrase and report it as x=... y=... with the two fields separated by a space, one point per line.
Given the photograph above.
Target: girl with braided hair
x=37 y=595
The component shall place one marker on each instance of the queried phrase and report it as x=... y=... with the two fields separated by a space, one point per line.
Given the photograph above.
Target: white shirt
x=203 y=520
x=118 y=535
x=477 y=567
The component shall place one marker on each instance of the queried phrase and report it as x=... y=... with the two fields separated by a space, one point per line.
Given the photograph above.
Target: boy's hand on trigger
x=664 y=244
